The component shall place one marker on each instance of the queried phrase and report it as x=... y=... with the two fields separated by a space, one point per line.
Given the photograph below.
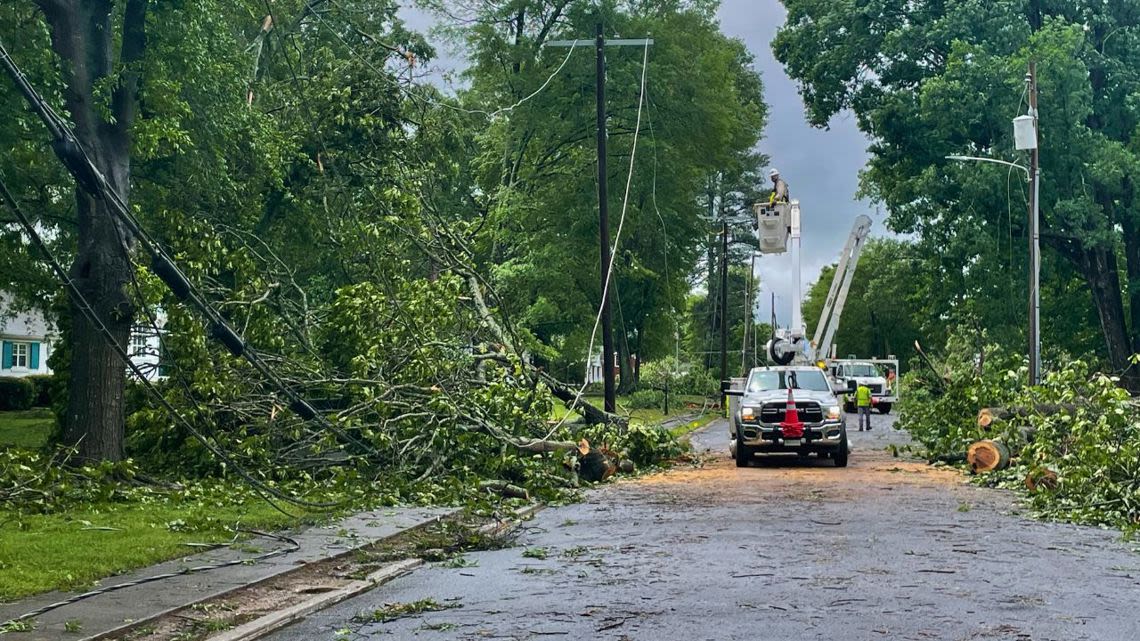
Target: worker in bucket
x=863 y=402
x=779 y=188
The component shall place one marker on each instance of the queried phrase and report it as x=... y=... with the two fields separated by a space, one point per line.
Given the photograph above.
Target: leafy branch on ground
x=1075 y=439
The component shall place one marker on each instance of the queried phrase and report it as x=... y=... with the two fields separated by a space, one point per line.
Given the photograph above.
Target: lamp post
x=1025 y=130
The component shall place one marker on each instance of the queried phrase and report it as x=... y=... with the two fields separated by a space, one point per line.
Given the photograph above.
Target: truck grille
x=876 y=389
x=809 y=412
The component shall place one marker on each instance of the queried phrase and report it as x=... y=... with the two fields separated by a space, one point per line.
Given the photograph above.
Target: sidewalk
x=104 y=614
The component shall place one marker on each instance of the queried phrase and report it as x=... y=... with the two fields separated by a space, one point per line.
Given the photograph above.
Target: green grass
x=70 y=551
x=28 y=429
x=697 y=423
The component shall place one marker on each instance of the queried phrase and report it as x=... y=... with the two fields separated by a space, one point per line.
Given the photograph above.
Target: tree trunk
x=95 y=419
x=1132 y=258
x=84 y=36
x=1099 y=268
x=988 y=415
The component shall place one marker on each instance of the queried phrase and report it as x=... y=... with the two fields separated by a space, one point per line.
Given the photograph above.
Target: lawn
x=73 y=550
x=28 y=429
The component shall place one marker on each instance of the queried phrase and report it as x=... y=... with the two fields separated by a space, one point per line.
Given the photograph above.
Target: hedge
x=16 y=393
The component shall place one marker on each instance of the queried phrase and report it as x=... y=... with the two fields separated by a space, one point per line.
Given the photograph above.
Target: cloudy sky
x=821 y=166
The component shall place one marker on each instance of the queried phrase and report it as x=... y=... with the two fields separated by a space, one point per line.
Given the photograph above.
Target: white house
x=27 y=338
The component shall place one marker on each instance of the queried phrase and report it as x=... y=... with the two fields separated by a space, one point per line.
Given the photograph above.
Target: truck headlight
x=834 y=412
x=746 y=412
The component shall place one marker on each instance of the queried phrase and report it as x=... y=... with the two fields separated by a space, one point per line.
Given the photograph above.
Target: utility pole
x=749 y=307
x=1034 y=236
x=600 y=44
x=724 y=379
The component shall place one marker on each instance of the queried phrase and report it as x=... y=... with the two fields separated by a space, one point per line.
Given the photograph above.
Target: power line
x=489 y=114
x=613 y=251
x=75 y=158
x=92 y=317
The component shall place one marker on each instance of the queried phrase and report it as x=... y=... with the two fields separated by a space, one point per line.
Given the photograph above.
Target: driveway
x=887 y=548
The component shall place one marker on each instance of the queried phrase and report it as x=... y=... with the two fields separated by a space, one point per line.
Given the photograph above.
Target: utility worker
x=863 y=402
x=779 y=188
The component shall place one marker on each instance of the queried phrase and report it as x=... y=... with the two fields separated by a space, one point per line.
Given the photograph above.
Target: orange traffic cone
x=792 y=426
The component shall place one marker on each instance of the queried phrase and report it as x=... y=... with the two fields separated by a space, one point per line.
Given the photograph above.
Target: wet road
x=884 y=549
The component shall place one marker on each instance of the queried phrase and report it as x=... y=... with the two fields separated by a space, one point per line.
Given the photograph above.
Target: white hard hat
x=774 y=172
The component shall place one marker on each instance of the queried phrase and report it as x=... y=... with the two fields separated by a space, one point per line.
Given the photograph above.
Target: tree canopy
x=932 y=79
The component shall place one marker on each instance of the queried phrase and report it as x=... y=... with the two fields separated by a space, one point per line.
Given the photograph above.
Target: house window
x=138 y=344
x=20 y=355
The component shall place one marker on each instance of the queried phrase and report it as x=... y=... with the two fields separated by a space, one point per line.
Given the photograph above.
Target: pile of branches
x=1072 y=444
x=429 y=395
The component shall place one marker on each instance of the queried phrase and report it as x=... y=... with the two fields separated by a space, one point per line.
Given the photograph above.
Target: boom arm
x=837 y=295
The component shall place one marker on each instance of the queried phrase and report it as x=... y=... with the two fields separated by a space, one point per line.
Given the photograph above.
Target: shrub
x=16 y=393
x=688 y=379
x=645 y=399
x=44 y=385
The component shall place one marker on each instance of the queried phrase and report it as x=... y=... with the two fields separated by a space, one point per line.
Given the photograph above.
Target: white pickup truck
x=874 y=373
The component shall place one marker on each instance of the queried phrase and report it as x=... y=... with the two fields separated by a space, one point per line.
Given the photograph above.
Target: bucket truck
x=778 y=226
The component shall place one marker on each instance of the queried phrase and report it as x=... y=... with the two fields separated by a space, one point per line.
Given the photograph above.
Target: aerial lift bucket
x=773 y=224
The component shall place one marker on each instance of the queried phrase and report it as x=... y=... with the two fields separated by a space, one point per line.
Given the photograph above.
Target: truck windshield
x=807 y=379
x=860 y=369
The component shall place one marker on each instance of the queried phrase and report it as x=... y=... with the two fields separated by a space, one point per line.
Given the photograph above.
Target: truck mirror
x=852 y=386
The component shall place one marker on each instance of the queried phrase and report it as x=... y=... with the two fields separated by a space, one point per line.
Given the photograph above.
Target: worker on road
x=779 y=188
x=863 y=402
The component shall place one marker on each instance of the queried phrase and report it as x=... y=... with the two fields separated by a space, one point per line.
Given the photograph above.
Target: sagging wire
x=293 y=546
x=88 y=177
x=613 y=249
x=88 y=312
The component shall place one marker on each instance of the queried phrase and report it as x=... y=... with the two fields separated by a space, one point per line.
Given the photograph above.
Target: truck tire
x=884 y=408
x=743 y=452
x=840 y=455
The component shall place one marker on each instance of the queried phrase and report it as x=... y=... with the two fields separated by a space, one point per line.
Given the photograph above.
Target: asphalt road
x=884 y=549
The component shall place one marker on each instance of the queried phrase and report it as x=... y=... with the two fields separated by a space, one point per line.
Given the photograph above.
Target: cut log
x=1041 y=478
x=506 y=489
x=988 y=415
x=597 y=465
x=987 y=456
x=541 y=446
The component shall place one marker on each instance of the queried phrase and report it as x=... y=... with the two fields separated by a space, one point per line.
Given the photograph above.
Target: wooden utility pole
x=724 y=379
x=600 y=44
x=1034 y=236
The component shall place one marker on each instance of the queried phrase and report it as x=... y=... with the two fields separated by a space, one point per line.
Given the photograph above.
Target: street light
x=1025 y=129
x=993 y=160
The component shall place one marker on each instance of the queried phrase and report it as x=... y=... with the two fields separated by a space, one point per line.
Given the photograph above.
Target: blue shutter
x=34 y=356
x=6 y=363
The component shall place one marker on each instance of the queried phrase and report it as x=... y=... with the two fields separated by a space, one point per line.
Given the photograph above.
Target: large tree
x=533 y=199
x=241 y=139
x=101 y=47
x=929 y=79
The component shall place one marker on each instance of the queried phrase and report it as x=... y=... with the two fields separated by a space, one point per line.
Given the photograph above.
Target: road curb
x=275 y=621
